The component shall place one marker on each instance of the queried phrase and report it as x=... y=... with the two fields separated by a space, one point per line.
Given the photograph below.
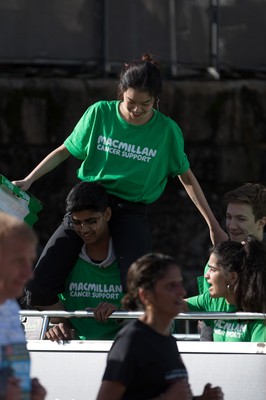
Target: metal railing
x=46 y=315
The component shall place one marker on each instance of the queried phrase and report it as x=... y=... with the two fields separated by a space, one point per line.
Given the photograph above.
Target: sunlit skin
x=136 y=107
x=96 y=228
x=17 y=255
x=164 y=301
x=240 y=222
x=218 y=280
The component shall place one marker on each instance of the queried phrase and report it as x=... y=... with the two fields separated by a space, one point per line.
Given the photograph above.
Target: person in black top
x=144 y=361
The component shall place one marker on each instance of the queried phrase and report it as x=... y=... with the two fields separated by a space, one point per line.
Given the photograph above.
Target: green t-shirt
x=132 y=162
x=203 y=285
x=87 y=285
x=228 y=330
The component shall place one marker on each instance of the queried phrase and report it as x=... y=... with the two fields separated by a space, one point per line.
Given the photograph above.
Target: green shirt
x=228 y=330
x=87 y=285
x=203 y=284
x=132 y=162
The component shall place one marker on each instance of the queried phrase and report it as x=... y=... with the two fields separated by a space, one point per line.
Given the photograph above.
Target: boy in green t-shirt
x=94 y=282
x=245 y=214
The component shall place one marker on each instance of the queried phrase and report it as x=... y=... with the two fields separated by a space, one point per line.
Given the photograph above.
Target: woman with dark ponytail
x=131 y=148
x=144 y=362
x=237 y=278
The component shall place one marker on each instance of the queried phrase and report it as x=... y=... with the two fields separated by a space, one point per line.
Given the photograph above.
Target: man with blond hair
x=17 y=254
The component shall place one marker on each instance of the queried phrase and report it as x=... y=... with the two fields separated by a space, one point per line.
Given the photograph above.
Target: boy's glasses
x=87 y=223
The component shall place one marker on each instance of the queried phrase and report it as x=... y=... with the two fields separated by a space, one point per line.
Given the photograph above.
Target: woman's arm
x=111 y=390
x=193 y=189
x=51 y=161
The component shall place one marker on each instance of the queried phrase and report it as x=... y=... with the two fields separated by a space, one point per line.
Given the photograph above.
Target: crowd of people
x=100 y=258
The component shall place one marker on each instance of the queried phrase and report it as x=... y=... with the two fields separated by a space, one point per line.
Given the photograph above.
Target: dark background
x=59 y=56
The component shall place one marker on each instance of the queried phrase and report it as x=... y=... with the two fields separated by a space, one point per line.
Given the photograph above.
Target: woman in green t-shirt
x=237 y=279
x=131 y=148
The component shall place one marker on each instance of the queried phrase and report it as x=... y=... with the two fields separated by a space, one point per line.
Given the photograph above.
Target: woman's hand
x=37 y=390
x=218 y=235
x=23 y=184
x=211 y=393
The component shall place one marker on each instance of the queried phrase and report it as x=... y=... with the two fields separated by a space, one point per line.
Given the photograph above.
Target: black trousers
x=131 y=236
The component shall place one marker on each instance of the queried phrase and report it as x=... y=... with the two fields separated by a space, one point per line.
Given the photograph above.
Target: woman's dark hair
x=248 y=260
x=143 y=75
x=87 y=196
x=144 y=273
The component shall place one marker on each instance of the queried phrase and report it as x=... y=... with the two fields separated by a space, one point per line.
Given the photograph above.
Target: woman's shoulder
x=104 y=105
x=133 y=330
x=166 y=122
x=96 y=110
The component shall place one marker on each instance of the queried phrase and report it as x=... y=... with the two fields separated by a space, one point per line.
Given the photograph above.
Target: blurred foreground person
x=144 y=361
x=17 y=254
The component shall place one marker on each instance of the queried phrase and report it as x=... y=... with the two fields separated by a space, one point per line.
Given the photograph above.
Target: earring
x=157 y=103
x=229 y=289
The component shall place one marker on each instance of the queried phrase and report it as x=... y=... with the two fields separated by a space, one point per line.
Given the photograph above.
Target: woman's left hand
x=218 y=235
x=211 y=393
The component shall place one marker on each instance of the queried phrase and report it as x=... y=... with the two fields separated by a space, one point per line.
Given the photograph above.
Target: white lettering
x=132 y=151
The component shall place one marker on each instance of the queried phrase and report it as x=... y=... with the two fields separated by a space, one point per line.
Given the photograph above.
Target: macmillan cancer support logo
x=95 y=290
x=124 y=149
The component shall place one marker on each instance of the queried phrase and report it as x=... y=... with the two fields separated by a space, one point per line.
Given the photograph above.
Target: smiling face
x=240 y=222
x=165 y=299
x=17 y=255
x=136 y=107
x=219 y=280
x=90 y=225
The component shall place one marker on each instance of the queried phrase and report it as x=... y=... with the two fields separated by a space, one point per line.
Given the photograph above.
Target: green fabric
x=132 y=162
x=228 y=330
x=87 y=285
x=203 y=285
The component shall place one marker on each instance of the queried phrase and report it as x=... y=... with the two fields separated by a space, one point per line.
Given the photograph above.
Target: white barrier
x=73 y=370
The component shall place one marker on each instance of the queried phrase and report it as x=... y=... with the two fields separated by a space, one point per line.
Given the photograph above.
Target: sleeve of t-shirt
x=121 y=361
x=258 y=332
x=77 y=142
x=198 y=303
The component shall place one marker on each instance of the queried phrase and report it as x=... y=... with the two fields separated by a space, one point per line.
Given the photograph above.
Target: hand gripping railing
x=46 y=315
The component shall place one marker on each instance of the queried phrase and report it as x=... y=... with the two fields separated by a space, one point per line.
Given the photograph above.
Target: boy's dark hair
x=252 y=194
x=87 y=196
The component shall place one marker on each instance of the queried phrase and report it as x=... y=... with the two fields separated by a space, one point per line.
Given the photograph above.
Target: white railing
x=137 y=314
x=46 y=315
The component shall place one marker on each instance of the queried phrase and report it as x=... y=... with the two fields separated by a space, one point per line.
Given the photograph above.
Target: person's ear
x=262 y=222
x=108 y=213
x=144 y=296
x=233 y=277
